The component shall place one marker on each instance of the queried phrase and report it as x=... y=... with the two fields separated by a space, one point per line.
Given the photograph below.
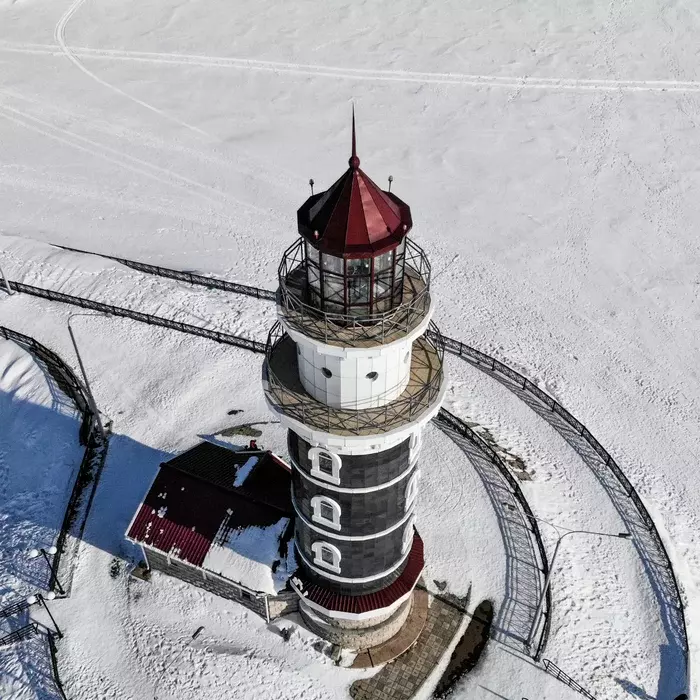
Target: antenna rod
x=391 y=179
x=311 y=185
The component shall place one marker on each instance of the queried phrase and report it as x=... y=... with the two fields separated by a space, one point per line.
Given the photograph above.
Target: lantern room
x=354 y=238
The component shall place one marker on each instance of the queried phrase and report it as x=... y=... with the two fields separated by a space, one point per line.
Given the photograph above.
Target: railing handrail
x=324 y=324
x=313 y=412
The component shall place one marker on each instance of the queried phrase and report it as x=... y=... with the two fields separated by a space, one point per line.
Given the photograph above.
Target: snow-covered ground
x=548 y=154
x=39 y=458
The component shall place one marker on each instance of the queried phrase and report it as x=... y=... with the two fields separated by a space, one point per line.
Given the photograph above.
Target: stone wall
x=157 y=561
x=359 y=637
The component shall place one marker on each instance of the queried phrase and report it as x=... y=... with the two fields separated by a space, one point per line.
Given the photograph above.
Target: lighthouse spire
x=354 y=161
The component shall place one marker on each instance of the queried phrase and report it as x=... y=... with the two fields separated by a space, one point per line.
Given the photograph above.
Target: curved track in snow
x=516 y=83
x=60 y=37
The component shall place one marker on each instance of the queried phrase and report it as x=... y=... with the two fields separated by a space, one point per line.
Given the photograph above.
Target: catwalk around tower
x=354 y=370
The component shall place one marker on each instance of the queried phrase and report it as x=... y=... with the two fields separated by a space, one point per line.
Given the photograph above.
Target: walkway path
x=401 y=679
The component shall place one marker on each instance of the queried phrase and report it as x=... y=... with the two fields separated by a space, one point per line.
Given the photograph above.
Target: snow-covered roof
x=226 y=512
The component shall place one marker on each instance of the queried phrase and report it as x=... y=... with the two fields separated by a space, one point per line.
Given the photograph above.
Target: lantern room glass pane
x=332 y=264
x=384 y=261
x=358 y=275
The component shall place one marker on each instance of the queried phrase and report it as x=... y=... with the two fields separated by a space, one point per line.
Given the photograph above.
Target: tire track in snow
x=378 y=75
x=121 y=159
x=59 y=36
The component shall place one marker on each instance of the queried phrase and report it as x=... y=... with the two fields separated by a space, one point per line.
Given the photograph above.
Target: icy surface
x=548 y=152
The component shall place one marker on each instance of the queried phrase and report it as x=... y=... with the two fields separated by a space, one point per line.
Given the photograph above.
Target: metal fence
x=555 y=671
x=30 y=630
x=456 y=347
x=189 y=277
x=90 y=466
x=218 y=336
x=491 y=364
x=446 y=418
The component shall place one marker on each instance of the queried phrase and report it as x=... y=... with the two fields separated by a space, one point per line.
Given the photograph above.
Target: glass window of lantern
x=312 y=255
x=384 y=261
x=358 y=276
x=333 y=283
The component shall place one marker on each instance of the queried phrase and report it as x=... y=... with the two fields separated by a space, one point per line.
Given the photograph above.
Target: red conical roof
x=354 y=218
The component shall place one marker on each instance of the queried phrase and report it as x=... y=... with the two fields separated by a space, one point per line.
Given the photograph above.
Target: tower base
x=361 y=621
x=356 y=634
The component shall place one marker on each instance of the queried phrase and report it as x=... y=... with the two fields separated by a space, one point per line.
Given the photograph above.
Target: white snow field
x=39 y=458
x=549 y=155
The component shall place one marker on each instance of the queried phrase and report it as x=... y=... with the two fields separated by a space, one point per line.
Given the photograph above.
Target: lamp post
x=38 y=598
x=548 y=578
x=5 y=282
x=194 y=636
x=53 y=578
x=90 y=397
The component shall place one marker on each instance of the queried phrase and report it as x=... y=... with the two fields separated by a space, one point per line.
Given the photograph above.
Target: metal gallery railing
x=302 y=406
x=351 y=329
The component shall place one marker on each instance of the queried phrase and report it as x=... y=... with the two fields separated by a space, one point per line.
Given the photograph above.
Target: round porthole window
x=326 y=372
x=372 y=376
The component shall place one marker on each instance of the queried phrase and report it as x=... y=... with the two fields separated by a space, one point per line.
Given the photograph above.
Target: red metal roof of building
x=354 y=218
x=193 y=498
x=372 y=601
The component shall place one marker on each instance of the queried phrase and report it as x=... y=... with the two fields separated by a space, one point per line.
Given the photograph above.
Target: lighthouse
x=354 y=370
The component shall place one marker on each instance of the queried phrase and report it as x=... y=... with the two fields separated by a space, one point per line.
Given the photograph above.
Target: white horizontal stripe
x=354 y=538
x=343 y=579
x=363 y=489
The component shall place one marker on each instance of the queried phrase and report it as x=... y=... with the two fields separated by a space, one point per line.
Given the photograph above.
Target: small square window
x=327 y=555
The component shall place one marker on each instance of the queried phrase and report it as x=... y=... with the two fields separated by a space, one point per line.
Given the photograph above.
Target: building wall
x=357 y=379
x=359 y=559
x=361 y=637
x=362 y=470
x=361 y=513
x=185 y=572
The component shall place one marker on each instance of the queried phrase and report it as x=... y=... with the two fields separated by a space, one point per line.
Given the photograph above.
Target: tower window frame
x=327 y=556
x=412 y=489
x=326 y=512
x=325 y=465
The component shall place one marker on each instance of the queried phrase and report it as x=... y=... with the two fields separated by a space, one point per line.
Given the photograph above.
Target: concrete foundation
x=356 y=634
